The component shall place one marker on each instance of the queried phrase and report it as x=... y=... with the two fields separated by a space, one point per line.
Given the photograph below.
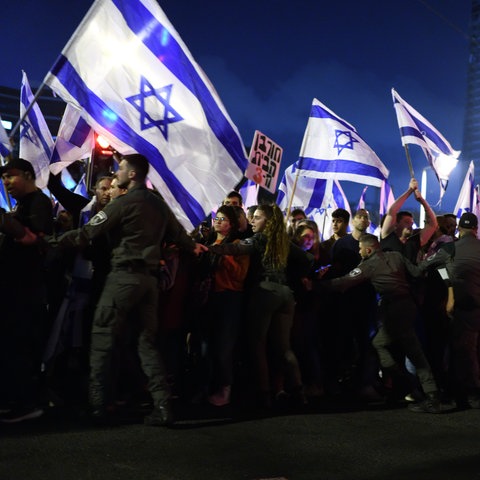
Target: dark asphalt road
x=324 y=443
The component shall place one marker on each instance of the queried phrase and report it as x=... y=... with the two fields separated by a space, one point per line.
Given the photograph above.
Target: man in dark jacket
x=387 y=272
x=138 y=222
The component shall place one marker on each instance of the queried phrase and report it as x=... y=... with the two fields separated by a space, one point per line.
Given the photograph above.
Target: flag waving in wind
x=317 y=197
x=36 y=142
x=467 y=200
x=75 y=140
x=417 y=130
x=333 y=149
x=140 y=88
x=5 y=147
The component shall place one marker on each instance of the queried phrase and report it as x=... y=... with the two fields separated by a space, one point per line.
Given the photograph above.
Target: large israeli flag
x=416 y=129
x=139 y=87
x=75 y=140
x=36 y=142
x=333 y=149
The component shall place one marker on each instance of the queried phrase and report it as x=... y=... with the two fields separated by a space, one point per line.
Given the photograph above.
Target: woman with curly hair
x=271 y=304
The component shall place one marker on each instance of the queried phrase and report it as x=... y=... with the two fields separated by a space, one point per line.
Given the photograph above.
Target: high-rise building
x=471 y=130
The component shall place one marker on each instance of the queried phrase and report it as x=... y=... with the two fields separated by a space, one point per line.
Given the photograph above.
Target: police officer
x=387 y=272
x=138 y=223
x=462 y=259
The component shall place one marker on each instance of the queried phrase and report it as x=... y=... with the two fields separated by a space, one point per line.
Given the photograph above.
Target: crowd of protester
x=110 y=303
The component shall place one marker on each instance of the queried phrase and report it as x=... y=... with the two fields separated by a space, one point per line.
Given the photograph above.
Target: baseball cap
x=468 y=220
x=19 y=164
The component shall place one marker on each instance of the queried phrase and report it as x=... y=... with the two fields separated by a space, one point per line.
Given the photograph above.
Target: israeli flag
x=138 y=85
x=317 y=197
x=416 y=129
x=467 y=200
x=5 y=146
x=36 y=142
x=333 y=149
x=75 y=140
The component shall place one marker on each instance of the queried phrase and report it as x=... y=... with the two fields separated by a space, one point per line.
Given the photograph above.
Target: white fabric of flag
x=5 y=146
x=386 y=198
x=416 y=129
x=249 y=193
x=81 y=188
x=140 y=88
x=317 y=197
x=333 y=149
x=75 y=140
x=467 y=200
x=36 y=142
x=361 y=200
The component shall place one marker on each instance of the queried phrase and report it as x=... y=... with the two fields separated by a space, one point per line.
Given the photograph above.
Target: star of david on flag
x=36 y=142
x=141 y=89
x=333 y=149
x=344 y=139
x=162 y=95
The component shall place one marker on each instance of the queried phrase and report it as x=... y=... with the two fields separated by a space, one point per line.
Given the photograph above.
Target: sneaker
x=160 y=417
x=20 y=414
x=221 y=397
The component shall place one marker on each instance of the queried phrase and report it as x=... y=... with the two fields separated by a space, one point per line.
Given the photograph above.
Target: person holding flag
x=397 y=232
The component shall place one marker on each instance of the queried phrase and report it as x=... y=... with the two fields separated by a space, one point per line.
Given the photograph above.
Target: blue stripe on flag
x=338 y=197
x=340 y=166
x=319 y=112
x=4 y=151
x=318 y=194
x=80 y=133
x=425 y=131
x=167 y=50
x=97 y=108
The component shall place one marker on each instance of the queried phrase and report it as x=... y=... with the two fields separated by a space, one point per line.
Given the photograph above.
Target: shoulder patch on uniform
x=355 y=272
x=99 y=218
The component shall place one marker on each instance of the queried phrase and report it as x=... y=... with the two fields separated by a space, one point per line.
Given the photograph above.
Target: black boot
x=430 y=404
x=162 y=416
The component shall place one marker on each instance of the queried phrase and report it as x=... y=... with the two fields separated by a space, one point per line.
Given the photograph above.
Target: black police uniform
x=462 y=259
x=138 y=222
x=387 y=272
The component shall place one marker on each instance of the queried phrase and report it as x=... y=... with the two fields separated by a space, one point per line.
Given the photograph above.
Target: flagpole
x=289 y=208
x=409 y=160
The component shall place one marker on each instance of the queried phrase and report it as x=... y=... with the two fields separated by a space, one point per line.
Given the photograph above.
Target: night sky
x=269 y=59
